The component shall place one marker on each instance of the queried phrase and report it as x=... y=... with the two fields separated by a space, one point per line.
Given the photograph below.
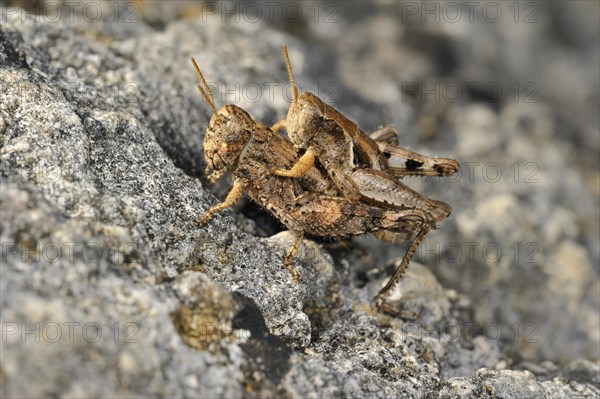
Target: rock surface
x=109 y=288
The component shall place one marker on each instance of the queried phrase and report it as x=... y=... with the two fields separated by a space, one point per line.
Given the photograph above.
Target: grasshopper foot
x=201 y=221
x=385 y=307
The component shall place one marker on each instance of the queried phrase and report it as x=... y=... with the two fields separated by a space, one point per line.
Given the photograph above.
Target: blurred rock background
x=108 y=287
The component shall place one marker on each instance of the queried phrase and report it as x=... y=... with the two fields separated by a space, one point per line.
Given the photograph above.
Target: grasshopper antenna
x=290 y=74
x=206 y=93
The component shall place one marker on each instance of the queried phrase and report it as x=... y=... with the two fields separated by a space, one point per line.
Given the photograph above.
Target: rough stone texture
x=109 y=288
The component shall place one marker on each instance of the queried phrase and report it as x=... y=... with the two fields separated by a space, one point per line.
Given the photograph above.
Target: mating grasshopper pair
x=342 y=185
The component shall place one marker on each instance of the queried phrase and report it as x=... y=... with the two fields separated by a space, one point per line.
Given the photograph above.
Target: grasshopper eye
x=233 y=134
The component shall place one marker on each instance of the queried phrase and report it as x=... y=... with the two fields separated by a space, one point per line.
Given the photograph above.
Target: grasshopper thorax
x=228 y=132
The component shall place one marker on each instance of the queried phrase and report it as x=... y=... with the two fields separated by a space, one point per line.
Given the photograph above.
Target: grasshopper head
x=228 y=131
x=305 y=115
x=304 y=118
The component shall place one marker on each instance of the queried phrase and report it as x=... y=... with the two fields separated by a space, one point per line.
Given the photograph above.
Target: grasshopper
x=337 y=144
x=311 y=204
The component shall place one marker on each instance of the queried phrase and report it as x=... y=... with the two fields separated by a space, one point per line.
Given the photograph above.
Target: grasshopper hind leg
x=381 y=298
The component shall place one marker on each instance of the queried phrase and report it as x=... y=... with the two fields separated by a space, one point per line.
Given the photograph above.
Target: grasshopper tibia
x=380 y=299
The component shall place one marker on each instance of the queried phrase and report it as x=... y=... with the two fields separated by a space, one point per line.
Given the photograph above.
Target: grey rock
x=109 y=288
x=516 y=384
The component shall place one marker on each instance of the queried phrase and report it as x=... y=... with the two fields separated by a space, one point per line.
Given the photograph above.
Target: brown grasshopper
x=311 y=204
x=337 y=143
